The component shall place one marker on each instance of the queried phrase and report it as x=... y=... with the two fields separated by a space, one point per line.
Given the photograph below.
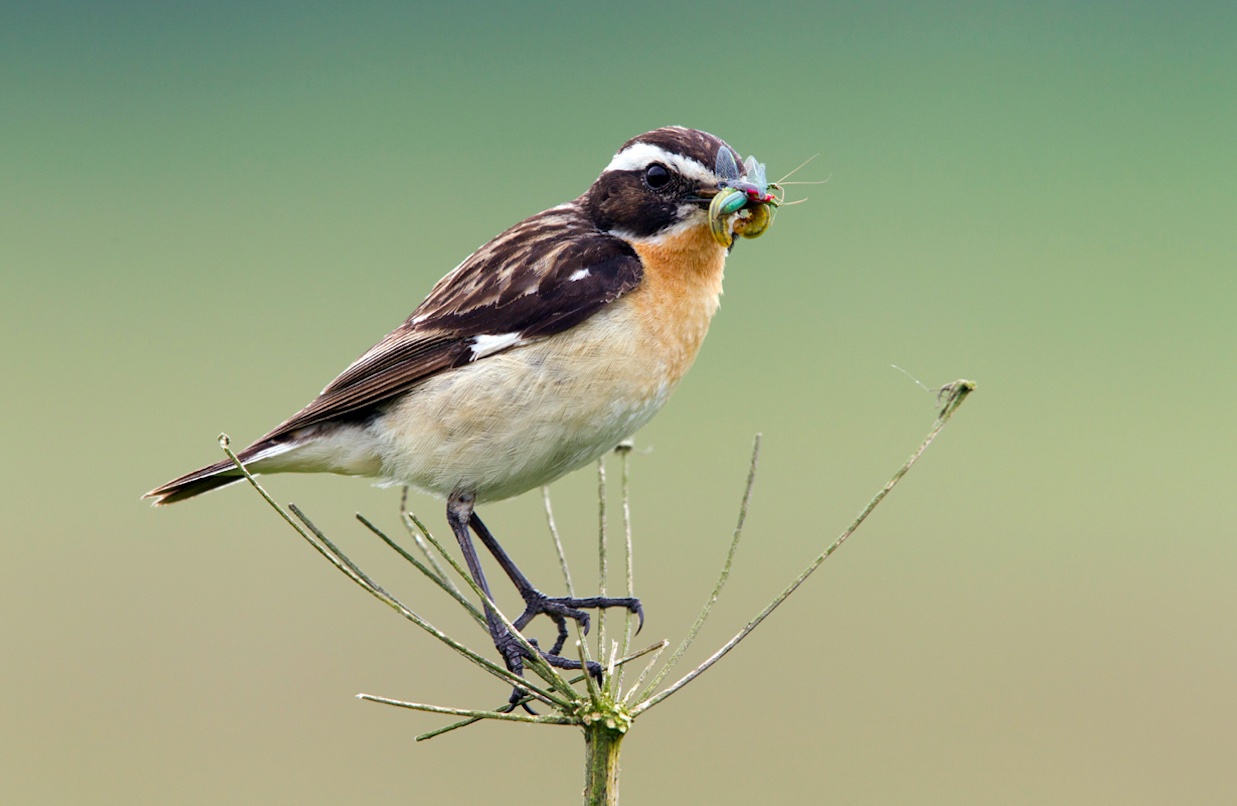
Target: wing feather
x=541 y=277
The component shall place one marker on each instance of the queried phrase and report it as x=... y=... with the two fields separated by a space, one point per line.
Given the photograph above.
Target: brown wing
x=541 y=277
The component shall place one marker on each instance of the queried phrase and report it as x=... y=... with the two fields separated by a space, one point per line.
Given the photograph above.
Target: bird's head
x=671 y=180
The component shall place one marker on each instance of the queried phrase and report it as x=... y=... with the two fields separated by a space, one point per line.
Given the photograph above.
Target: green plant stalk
x=601 y=763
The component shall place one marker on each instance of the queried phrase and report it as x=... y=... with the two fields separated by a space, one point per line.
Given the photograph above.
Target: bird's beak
x=741 y=207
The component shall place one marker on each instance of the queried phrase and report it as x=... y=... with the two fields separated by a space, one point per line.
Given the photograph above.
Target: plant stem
x=951 y=397
x=558 y=544
x=601 y=763
x=602 y=563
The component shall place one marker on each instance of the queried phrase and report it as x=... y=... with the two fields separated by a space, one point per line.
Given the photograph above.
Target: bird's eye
x=657 y=176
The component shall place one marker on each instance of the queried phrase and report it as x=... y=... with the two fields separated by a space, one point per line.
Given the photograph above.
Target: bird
x=540 y=352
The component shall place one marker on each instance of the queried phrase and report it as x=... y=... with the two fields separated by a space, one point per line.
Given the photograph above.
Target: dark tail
x=204 y=479
x=199 y=481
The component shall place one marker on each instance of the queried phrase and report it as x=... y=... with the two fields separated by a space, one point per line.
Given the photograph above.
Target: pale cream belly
x=523 y=418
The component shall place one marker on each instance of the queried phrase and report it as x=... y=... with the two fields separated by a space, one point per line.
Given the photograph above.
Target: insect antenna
x=794 y=170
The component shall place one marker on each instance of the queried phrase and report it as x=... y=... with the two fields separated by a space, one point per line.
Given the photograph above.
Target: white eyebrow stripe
x=640 y=155
x=488 y=344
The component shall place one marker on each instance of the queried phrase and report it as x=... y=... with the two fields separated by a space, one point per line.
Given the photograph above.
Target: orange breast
x=680 y=292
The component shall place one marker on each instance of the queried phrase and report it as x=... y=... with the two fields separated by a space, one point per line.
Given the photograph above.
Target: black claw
x=557 y=649
x=517 y=698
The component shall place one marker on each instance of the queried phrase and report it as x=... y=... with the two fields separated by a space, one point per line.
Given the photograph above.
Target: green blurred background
x=208 y=210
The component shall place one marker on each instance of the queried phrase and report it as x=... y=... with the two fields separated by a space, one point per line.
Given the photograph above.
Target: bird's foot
x=561 y=608
x=513 y=656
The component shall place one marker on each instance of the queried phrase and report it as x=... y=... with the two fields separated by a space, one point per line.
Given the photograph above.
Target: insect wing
x=727 y=170
x=756 y=174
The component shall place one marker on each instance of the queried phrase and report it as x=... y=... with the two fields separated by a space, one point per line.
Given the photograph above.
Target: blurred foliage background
x=208 y=210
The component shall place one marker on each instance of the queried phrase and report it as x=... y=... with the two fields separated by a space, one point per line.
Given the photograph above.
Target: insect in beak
x=743 y=204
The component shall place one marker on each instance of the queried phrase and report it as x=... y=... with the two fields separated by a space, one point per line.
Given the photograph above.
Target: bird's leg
x=559 y=609
x=459 y=511
x=460 y=516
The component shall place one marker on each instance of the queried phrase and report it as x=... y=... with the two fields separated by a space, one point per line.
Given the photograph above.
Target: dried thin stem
x=601 y=554
x=594 y=693
x=399 y=606
x=438 y=579
x=953 y=394
x=624 y=451
x=722 y=578
x=504 y=716
x=438 y=548
x=558 y=544
x=327 y=549
x=416 y=529
x=648 y=667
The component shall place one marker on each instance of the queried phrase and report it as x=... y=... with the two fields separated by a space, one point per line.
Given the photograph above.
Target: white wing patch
x=489 y=344
x=578 y=274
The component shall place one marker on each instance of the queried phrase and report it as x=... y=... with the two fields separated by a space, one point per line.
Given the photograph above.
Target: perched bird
x=537 y=354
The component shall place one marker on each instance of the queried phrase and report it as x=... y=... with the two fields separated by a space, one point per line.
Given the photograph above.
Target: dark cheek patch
x=621 y=202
